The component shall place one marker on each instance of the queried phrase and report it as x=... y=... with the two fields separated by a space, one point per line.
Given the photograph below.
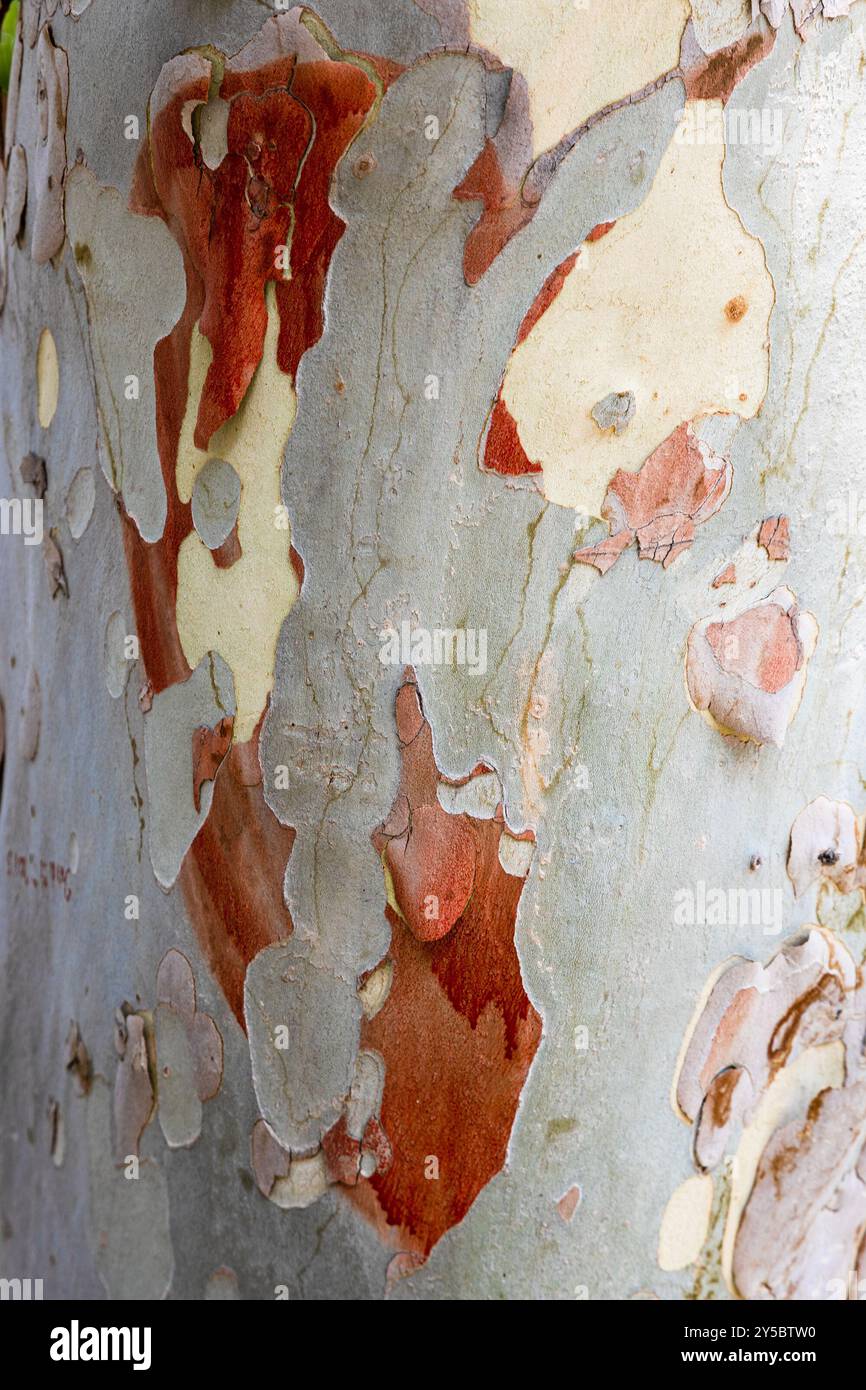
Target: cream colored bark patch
x=685 y=1223
x=579 y=58
x=47 y=378
x=787 y=1097
x=239 y=611
x=720 y=22
x=673 y=305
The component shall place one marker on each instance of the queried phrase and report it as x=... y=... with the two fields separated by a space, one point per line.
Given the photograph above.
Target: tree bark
x=430 y=742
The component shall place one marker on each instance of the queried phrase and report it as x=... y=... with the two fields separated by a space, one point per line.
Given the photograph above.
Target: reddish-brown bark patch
x=232 y=876
x=760 y=646
x=209 y=747
x=289 y=124
x=550 y=289
x=568 y=1203
x=457 y=1032
x=600 y=230
x=504 y=212
x=661 y=505
x=503 y=451
x=775 y=537
x=229 y=552
x=714 y=77
x=343 y=1154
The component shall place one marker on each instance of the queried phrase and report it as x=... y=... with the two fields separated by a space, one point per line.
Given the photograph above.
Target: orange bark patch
x=600 y=230
x=736 y=308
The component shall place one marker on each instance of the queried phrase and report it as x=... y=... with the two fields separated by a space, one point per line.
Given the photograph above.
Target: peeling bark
x=363 y=845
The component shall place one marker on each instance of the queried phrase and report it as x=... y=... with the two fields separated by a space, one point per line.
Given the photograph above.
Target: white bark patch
x=718 y=23
x=826 y=842
x=685 y=1223
x=515 y=855
x=373 y=993
x=786 y=1099
x=478 y=796
x=305 y=1182
x=806 y=1213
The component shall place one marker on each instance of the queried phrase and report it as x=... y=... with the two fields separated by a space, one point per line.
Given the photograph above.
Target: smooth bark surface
x=431 y=732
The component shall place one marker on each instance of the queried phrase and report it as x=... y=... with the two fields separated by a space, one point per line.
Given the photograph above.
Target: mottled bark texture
x=409 y=891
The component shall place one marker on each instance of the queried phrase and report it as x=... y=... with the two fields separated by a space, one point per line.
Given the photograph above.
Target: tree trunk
x=432 y=549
